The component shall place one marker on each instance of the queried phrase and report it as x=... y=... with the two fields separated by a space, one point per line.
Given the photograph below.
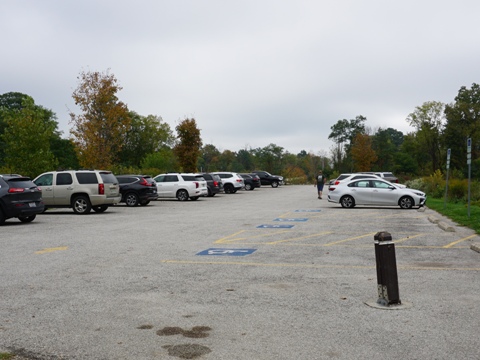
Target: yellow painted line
x=406 y=238
x=459 y=241
x=299 y=238
x=349 y=239
x=311 y=266
x=225 y=239
x=49 y=250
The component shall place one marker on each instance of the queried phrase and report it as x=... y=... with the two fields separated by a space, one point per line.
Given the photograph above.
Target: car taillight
x=215 y=183
x=144 y=182
x=337 y=182
x=101 y=189
x=16 y=190
x=331 y=189
x=239 y=180
x=196 y=184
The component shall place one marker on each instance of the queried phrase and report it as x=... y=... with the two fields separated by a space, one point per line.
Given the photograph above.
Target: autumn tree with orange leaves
x=362 y=152
x=99 y=131
x=189 y=145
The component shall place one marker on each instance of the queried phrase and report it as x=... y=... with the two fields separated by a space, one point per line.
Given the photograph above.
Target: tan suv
x=81 y=190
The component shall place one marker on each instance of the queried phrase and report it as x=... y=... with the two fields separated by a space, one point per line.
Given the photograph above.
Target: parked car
x=81 y=190
x=374 y=192
x=354 y=176
x=182 y=186
x=137 y=189
x=385 y=176
x=19 y=198
x=214 y=184
x=268 y=179
x=232 y=182
x=251 y=181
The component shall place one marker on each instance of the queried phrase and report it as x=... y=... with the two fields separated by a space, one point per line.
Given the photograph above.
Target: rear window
x=199 y=177
x=108 y=178
x=21 y=182
x=126 y=180
x=86 y=178
x=189 y=178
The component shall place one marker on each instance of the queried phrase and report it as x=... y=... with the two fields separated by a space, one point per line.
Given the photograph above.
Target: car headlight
x=418 y=193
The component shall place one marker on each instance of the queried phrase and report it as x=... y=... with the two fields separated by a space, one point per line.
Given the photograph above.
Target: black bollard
x=387 y=278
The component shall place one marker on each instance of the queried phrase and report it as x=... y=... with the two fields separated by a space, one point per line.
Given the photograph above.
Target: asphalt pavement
x=263 y=274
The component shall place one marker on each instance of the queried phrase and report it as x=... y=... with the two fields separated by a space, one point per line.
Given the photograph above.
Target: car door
x=383 y=194
x=361 y=191
x=161 y=187
x=45 y=182
x=63 y=188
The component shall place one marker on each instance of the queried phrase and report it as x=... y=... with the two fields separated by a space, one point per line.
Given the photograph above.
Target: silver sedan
x=374 y=192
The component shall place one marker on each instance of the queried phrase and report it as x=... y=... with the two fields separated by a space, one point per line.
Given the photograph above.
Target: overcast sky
x=251 y=72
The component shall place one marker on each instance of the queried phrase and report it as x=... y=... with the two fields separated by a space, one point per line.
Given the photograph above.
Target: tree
x=189 y=144
x=27 y=139
x=428 y=119
x=209 y=158
x=147 y=134
x=99 y=132
x=362 y=153
x=343 y=132
x=270 y=158
x=386 y=144
x=463 y=122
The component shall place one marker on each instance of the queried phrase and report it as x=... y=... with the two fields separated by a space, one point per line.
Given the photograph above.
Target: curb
x=441 y=225
x=475 y=247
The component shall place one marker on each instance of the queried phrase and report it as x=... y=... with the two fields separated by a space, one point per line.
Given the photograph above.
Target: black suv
x=252 y=181
x=137 y=189
x=214 y=184
x=20 y=198
x=268 y=179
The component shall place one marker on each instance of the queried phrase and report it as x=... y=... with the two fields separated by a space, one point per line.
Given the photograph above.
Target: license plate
x=32 y=204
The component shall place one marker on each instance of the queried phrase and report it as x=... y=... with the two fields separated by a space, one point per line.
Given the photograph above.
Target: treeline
x=105 y=134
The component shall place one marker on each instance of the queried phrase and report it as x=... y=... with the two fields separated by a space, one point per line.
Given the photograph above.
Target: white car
x=232 y=182
x=181 y=186
x=374 y=192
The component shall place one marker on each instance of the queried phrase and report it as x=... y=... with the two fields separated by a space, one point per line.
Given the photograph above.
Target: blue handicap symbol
x=282 y=226
x=226 y=252
x=291 y=219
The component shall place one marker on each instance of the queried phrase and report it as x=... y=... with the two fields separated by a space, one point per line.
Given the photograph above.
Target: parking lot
x=263 y=274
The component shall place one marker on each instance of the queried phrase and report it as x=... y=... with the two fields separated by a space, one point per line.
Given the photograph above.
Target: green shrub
x=457 y=190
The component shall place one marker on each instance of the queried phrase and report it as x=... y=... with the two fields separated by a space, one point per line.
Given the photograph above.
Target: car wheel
x=2 y=217
x=347 y=202
x=248 y=187
x=406 y=202
x=144 y=203
x=27 y=219
x=81 y=205
x=100 y=208
x=131 y=199
x=210 y=194
x=275 y=184
x=182 y=195
x=194 y=197
x=228 y=189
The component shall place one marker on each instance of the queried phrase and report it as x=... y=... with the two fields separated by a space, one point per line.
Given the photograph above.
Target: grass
x=457 y=212
x=6 y=356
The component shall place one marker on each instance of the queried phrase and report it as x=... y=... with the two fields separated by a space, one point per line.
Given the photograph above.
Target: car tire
x=406 y=202
x=194 y=198
x=144 y=203
x=248 y=187
x=81 y=205
x=100 y=208
x=182 y=195
x=347 y=202
x=2 y=217
x=228 y=188
x=210 y=194
x=131 y=199
x=27 y=219
x=275 y=184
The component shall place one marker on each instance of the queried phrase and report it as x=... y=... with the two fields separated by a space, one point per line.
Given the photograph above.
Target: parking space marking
x=228 y=239
x=313 y=266
x=459 y=241
x=349 y=239
x=49 y=250
x=407 y=238
x=299 y=238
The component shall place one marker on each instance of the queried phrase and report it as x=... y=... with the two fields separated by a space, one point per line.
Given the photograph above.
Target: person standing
x=319 y=183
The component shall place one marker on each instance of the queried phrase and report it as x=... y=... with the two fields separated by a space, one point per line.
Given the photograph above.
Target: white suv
x=181 y=186
x=232 y=182
x=81 y=190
